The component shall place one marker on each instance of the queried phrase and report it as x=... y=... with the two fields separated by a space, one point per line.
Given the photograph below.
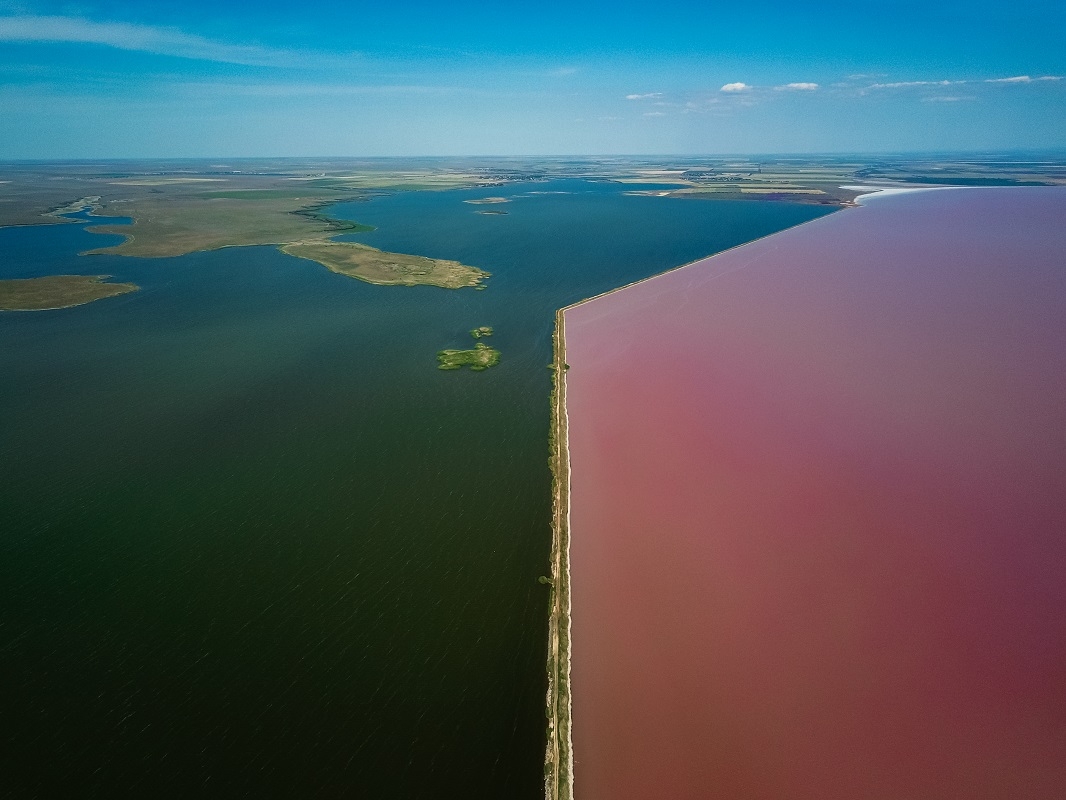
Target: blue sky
x=166 y=78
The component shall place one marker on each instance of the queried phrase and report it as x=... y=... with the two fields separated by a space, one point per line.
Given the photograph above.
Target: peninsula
x=58 y=291
x=292 y=219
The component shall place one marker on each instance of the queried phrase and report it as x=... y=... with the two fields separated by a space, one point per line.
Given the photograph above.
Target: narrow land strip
x=559 y=759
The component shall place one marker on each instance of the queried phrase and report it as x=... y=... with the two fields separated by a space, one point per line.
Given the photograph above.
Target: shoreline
x=559 y=755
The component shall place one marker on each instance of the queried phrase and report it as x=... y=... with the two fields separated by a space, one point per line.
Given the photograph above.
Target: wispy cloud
x=1024 y=79
x=797 y=87
x=909 y=84
x=938 y=98
x=648 y=96
x=563 y=72
x=735 y=87
x=654 y=113
x=140 y=38
x=1017 y=79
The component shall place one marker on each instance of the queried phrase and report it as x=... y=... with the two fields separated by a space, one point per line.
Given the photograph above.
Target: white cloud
x=797 y=87
x=563 y=72
x=735 y=87
x=654 y=113
x=141 y=38
x=942 y=99
x=648 y=96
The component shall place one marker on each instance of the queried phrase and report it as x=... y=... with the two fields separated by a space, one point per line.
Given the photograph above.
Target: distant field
x=28 y=192
x=267 y=194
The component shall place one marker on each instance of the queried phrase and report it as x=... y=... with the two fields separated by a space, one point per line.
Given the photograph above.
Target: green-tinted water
x=254 y=543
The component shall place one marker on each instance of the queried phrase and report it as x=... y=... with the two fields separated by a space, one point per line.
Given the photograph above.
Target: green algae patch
x=480 y=358
x=58 y=291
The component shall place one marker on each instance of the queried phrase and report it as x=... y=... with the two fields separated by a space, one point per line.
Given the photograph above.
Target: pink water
x=818 y=512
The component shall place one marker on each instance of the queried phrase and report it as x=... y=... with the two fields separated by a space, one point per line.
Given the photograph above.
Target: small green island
x=484 y=330
x=480 y=358
x=58 y=291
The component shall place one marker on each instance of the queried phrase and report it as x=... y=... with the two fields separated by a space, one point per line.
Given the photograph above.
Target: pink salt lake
x=818 y=512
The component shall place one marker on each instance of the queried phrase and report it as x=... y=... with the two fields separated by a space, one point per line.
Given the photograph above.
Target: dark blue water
x=254 y=544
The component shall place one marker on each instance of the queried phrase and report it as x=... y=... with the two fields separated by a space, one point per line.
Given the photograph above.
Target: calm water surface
x=252 y=541
x=817 y=542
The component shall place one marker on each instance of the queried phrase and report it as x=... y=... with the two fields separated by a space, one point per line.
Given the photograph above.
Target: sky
x=120 y=79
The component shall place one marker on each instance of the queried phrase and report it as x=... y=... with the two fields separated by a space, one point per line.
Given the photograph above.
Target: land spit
x=559 y=759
